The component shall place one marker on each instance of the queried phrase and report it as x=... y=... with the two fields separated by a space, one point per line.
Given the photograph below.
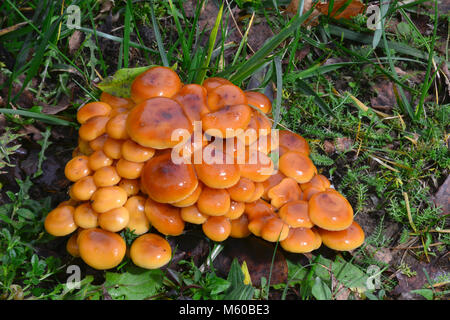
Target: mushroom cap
x=192 y=98
x=133 y=151
x=255 y=165
x=138 y=221
x=273 y=180
x=150 y=251
x=164 y=217
x=129 y=169
x=274 y=230
x=191 y=199
x=228 y=121
x=131 y=186
x=214 y=202
x=297 y=166
x=330 y=210
x=99 y=159
x=259 y=100
x=192 y=215
x=344 y=240
x=97 y=143
x=113 y=148
x=318 y=181
x=116 y=127
x=155 y=82
x=167 y=182
x=258 y=208
x=318 y=242
x=239 y=227
x=108 y=198
x=59 y=222
x=77 y=168
x=243 y=190
x=256 y=224
x=72 y=245
x=85 y=217
x=93 y=128
x=114 y=220
x=308 y=193
x=258 y=126
x=259 y=190
x=106 y=176
x=236 y=210
x=287 y=190
x=101 y=249
x=84 y=188
x=290 y=141
x=84 y=147
x=295 y=214
x=218 y=169
x=217 y=228
x=225 y=95
x=92 y=109
x=299 y=240
x=116 y=102
x=153 y=122
x=214 y=82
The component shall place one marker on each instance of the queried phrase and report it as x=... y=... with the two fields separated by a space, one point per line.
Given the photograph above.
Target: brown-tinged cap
x=256 y=224
x=150 y=251
x=155 y=82
x=330 y=210
x=84 y=147
x=101 y=249
x=290 y=141
x=318 y=181
x=116 y=127
x=257 y=208
x=308 y=193
x=114 y=220
x=255 y=165
x=59 y=222
x=214 y=82
x=153 y=122
x=273 y=180
x=299 y=240
x=77 y=168
x=97 y=143
x=138 y=221
x=297 y=166
x=225 y=95
x=72 y=245
x=295 y=214
x=228 y=121
x=116 y=102
x=274 y=230
x=167 y=182
x=164 y=217
x=85 y=217
x=92 y=109
x=214 y=202
x=192 y=215
x=217 y=228
x=108 y=198
x=93 y=128
x=344 y=240
x=192 y=98
x=259 y=100
x=287 y=190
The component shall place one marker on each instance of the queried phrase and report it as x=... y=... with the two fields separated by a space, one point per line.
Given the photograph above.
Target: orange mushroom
x=91 y=110
x=97 y=143
x=259 y=190
x=192 y=215
x=259 y=100
x=116 y=127
x=211 y=83
x=297 y=166
x=255 y=165
x=273 y=180
x=72 y=245
x=138 y=222
x=191 y=199
x=106 y=176
x=214 y=202
x=132 y=151
x=77 y=168
x=217 y=228
x=116 y=102
x=85 y=217
x=330 y=210
x=274 y=230
x=236 y=210
x=155 y=82
x=114 y=220
x=344 y=240
x=150 y=251
x=131 y=186
x=243 y=190
x=101 y=249
x=98 y=159
x=108 y=198
x=84 y=188
x=113 y=148
x=239 y=227
x=295 y=214
x=59 y=222
x=167 y=182
x=287 y=190
x=299 y=240
x=227 y=122
x=318 y=181
x=158 y=123
x=258 y=208
x=164 y=217
x=290 y=141
x=192 y=98
x=129 y=169
x=225 y=95
x=93 y=128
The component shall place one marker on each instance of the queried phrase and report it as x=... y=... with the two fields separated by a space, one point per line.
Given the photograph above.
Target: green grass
x=405 y=153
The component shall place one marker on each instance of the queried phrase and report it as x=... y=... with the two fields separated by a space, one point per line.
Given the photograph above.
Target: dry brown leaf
x=352 y=10
x=442 y=197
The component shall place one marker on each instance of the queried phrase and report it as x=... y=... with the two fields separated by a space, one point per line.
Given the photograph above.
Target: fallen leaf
x=352 y=10
x=442 y=197
x=329 y=147
x=75 y=41
x=385 y=99
x=312 y=20
x=343 y=144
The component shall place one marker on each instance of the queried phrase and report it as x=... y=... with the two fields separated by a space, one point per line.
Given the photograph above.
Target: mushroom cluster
x=124 y=175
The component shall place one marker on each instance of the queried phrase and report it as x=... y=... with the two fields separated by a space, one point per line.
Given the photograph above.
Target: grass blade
x=126 y=34
x=38 y=116
x=162 y=52
x=279 y=76
x=302 y=85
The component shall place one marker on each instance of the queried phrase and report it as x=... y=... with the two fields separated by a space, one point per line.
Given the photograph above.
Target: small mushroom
x=132 y=151
x=116 y=102
x=98 y=159
x=84 y=147
x=255 y=165
x=191 y=199
x=192 y=98
x=108 y=198
x=290 y=141
x=211 y=83
x=295 y=214
x=93 y=128
x=228 y=121
x=129 y=169
x=256 y=224
x=318 y=181
x=330 y=210
x=257 y=208
x=273 y=180
x=106 y=176
x=192 y=215
x=150 y=251
x=217 y=228
x=239 y=227
x=236 y=210
x=84 y=188
x=113 y=148
x=156 y=122
x=138 y=221
x=214 y=202
x=155 y=82
x=131 y=186
x=286 y=191
x=85 y=217
x=114 y=220
x=164 y=217
x=259 y=190
x=274 y=230
x=116 y=127
x=60 y=222
x=167 y=182
x=344 y=240
x=101 y=249
x=299 y=240
x=297 y=166
x=77 y=168
x=225 y=95
x=259 y=100
x=91 y=110
x=243 y=190
x=72 y=245
x=97 y=143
